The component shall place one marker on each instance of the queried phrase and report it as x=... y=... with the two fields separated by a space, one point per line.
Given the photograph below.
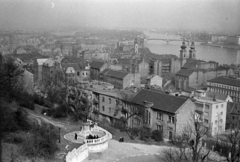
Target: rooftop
x=208 y=100
x=217 y=95
x=75 y=66
x=226 y=81
x=184 y=72
x=114 y=73
x=96 y=64
x=163 y=102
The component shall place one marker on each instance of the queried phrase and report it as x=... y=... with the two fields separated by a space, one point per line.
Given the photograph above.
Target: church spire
x=183 y=47
x=192 y=51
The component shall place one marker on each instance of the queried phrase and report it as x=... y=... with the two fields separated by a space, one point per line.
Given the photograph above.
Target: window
x=233 y=117
x=215 y=121
x=206 y=107
x=109 y=109
x=109 y=101
x=216 y=106
x=159 y=127
x=221 y=113
x=147 y=117
x=206 y=113
x=103 y=99
x=205 y=120
x=78 y=73
x=159 y=116
x=222 y=105
x=103 y=108
x=170 y=119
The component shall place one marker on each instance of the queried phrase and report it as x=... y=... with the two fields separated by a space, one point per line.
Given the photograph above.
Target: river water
x=203 y=52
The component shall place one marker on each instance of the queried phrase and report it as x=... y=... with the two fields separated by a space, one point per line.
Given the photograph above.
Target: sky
x=212 y=15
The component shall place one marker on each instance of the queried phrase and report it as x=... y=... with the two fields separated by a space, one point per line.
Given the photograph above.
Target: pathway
x=119 y=151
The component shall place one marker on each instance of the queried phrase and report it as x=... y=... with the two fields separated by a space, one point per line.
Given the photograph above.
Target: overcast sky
x=194 y=14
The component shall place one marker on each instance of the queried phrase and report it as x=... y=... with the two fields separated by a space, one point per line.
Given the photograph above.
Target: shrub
x=60 y=112
x=120 y=125
x=145 y=133
x=25 y=99
x=38 y=100
x=43 y=142
x=14 y=121
x=9 y=123
x=15 y=138
x=106 y=125
x=134 y=132
x=157 y=135
x=21 y=119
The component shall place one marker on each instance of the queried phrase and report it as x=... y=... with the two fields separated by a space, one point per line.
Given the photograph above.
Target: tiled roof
x=163 y=102
x=115 y=74
x=144 y=51
x=70 y=70
x=49 y=62
x=96 y=64
x=105 y=71
x=72 y=59
x=226 y=80
x=184 y=72
x=125 y=61
x=217 y=95
x=192 y=64
x=75 y=66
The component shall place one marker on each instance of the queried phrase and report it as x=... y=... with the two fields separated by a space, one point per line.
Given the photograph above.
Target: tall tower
x=192 y=51
x=183 y=53
x=136 y=46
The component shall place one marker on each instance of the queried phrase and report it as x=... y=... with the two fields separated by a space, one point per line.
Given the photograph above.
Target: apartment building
x=96 y=68
x=213 y=112
x=164 y=112
x=225 y=85
x=120 y=79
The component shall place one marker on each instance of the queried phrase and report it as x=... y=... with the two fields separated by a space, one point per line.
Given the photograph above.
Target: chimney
x=214 y=98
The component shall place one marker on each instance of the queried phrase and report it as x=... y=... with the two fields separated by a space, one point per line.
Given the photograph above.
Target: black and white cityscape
x=120 y=80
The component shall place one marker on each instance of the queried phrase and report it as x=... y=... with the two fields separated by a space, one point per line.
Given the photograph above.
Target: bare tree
x=231 y=144
x=129 y=110
x=188 y=144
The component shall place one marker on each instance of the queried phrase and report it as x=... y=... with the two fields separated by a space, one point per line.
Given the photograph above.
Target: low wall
x=78 y=155
x=100 y=144
x=91 y=145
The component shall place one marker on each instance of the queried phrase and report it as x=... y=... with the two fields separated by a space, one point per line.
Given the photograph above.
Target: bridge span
x=172 y=40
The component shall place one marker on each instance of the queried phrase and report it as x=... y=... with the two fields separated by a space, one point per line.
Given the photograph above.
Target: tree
x=232 y=152
x=80 y=102
x=9 y=73
x=189 y=143
x=129 y=111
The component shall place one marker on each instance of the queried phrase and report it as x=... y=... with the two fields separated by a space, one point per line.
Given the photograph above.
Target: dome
x=183 y=45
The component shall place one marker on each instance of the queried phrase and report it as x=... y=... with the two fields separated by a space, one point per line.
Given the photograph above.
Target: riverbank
x=237 y=47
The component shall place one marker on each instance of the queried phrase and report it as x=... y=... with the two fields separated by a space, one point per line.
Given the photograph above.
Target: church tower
x=136 y=46
x=183 y=53
x=192 y=51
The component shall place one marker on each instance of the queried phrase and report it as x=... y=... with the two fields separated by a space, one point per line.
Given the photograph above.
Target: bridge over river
x=167 y=40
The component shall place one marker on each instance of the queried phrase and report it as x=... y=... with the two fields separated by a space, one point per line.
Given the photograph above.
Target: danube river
x=203 y=52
